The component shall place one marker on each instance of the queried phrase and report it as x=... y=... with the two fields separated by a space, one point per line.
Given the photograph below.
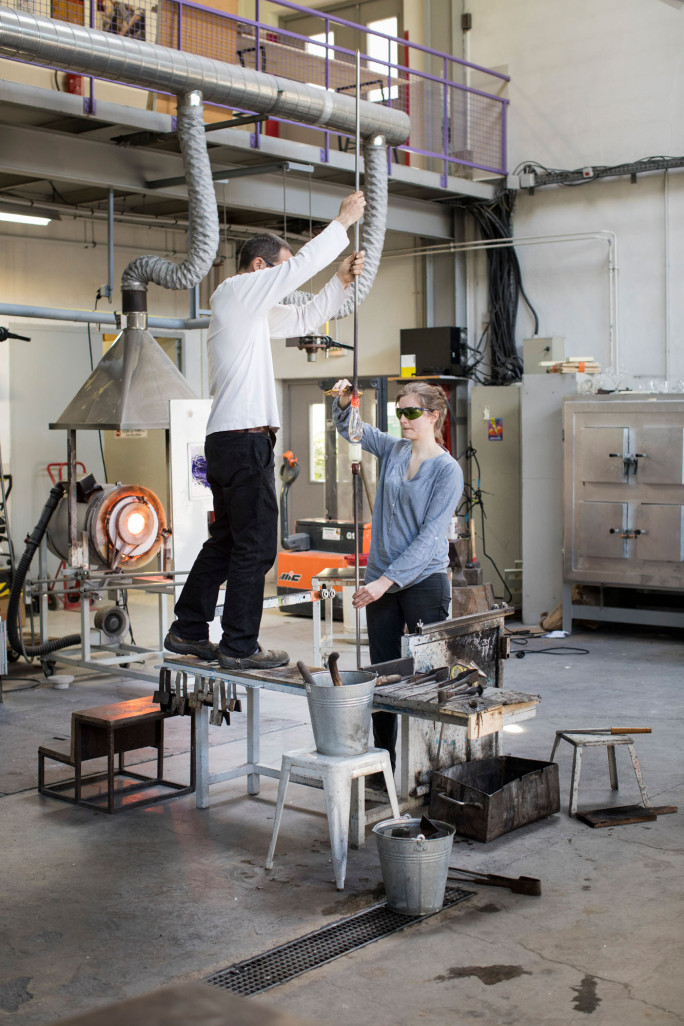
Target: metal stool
x=339 y=775
x=579 y=741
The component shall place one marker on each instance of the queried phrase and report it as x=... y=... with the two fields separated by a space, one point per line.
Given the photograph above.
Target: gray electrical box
x=536 y=350
x=495 y=434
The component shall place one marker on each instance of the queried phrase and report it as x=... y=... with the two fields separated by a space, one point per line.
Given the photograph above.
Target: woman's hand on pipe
x=342 y=390
x=370 y=592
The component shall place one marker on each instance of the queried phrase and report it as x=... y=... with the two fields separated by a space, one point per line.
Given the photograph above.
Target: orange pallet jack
x=304 y=553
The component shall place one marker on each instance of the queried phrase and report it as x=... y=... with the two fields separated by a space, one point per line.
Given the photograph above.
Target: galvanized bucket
x=414 y=867
x=341 y=716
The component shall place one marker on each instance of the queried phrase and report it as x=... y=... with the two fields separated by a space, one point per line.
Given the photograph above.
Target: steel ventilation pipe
x=203 y=214
x=87 y=51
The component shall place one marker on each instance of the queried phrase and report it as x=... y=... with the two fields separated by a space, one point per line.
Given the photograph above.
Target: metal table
x=465 y=728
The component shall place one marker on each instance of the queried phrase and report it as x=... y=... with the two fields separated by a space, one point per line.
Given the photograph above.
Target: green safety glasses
x=410 y=412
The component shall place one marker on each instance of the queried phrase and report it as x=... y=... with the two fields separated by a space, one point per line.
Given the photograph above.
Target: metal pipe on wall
x=109 y=287
x=666 y=286
x=47 y=313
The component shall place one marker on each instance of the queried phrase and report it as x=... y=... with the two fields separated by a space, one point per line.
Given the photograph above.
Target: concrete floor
x=98 y=908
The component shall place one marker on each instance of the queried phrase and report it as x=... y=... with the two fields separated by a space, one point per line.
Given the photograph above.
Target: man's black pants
x=242 y=543
x=427 y=601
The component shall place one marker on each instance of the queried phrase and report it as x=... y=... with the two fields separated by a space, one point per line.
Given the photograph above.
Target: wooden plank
x=516 y=697
x=617 y=816
x=476 y=598
x=480 y=724
x=120 y=712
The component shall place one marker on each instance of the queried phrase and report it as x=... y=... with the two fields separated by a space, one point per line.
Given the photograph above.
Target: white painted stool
x=580 y=741
x=340 y=777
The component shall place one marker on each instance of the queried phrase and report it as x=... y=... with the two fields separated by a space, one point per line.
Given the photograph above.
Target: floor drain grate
x=279 y=965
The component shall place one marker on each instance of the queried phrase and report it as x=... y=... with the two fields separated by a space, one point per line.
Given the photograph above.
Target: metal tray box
x=490 y=797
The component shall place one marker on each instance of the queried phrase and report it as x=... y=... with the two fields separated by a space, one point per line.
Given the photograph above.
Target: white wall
x=591 y=84
x=597 y=84
x=394 y=302
x=59 y=266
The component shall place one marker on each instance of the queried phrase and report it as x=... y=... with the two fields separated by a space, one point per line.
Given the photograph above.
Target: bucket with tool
x=414 y=858
x=340 y=703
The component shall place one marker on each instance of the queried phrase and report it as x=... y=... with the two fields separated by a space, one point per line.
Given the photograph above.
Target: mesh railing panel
x=453 y=129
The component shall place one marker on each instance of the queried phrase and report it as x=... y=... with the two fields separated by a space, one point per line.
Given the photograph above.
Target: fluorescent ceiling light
x=28 y=214
x=24 y=218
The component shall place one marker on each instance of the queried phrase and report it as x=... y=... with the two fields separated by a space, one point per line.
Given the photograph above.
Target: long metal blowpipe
x=356 y=466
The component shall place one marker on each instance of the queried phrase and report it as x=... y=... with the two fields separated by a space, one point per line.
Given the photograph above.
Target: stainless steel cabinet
x=624 y=502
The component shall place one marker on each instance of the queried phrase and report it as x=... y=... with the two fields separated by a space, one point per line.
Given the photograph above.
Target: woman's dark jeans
x=427 y=601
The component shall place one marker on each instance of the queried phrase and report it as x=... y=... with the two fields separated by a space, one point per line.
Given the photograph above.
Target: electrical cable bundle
x=495 y=221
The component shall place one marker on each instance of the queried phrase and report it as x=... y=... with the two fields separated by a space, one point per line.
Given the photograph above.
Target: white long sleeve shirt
x=246 y=311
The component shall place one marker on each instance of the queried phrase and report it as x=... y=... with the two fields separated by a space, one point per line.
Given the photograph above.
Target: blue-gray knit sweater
x=410 y=518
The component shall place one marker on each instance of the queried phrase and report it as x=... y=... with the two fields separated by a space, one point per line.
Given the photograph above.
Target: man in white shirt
x=246 y=311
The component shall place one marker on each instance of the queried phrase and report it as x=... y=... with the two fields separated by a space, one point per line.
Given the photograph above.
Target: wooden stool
x=340 y=776
x=608 y=741
x=104 y=732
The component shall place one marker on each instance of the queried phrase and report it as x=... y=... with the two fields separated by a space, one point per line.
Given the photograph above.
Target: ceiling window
x=385 y=51
x=316 y=442
x=316 y=44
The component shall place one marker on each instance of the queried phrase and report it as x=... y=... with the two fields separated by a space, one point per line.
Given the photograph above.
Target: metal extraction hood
x=129 y=389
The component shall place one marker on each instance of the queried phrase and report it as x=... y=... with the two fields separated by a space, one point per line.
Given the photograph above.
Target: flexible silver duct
x=202 y=206
x=374 y=223
x=87 y=51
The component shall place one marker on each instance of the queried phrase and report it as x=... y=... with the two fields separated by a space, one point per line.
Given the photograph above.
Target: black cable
x=504 y=280
x=592 y=172
x=58 y=194
x=554 y=650
x=12 y=691
x=124 y=595
x=14 y=628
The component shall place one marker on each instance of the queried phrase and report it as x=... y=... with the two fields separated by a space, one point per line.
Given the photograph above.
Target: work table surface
x=418 y=700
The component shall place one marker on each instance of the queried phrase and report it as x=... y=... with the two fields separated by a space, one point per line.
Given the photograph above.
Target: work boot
x=264 y=659
x=205 y=650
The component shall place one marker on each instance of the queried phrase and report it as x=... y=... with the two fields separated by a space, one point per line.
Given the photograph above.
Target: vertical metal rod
x=109 y=287
x=356 y=479
x=72 y=511
x=356 y=468
x=357 y=149
x=445 y=124
x=256 y=135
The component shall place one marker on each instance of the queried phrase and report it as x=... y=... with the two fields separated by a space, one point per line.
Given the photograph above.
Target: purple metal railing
x=456 y=128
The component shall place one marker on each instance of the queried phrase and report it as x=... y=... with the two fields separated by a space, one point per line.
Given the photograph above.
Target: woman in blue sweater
x=419 y=487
